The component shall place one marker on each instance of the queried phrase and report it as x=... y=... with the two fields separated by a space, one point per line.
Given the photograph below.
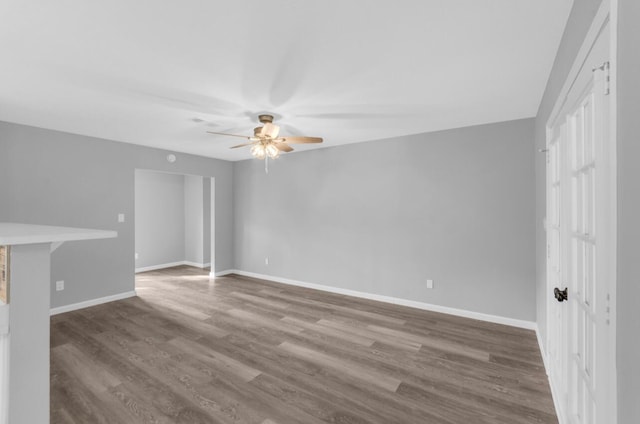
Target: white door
x=557 y=332
x=578 y=233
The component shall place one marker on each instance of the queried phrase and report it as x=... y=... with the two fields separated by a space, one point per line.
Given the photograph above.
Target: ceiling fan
x=265 y=142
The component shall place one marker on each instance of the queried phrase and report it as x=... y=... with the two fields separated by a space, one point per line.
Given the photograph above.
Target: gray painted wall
x=193 y=219
x=628 y=289
x=63 y=179
x=578 y=24
x=382 y=217
x=159 y=218
x=206 y=230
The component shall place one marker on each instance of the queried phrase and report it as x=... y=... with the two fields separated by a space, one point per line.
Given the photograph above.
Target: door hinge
x=605 y=67
x=548 y=251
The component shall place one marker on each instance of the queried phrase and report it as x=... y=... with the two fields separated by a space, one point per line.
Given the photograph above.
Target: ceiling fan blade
x=354 y=115
x=300 y=140
x=270 y=130
x=230 y=135
x=241 y=145
x=283 y=147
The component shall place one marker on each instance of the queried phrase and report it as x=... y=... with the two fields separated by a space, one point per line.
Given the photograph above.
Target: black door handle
x=561 y=295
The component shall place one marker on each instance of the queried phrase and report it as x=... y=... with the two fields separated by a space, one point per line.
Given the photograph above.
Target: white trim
x=222 y=273
x=212 y=224
x=92 y=302
x=160 y=266
x=171 y=265
x=196 y=264
x=554 y=392
x=601 y=18
x=543 y=351
x=612 y=247
x=529 y=325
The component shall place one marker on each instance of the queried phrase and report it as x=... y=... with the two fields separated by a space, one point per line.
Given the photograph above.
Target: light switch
x=120 y=217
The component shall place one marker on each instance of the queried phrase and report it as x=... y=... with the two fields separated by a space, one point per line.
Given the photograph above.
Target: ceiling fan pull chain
x=266 y=164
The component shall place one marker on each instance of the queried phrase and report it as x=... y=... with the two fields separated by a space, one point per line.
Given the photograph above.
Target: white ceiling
x=162 y=73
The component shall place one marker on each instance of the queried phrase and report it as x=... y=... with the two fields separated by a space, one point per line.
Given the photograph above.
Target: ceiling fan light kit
x=265 y=143
x=261 y=151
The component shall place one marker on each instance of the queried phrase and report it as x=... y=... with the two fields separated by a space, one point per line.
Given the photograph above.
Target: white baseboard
x=159 y=266
x=222 y=273
x=529 y=325
x=92 y=302
x=197 y=264
x=543 y=351
x=554 y=392
x=170 y=265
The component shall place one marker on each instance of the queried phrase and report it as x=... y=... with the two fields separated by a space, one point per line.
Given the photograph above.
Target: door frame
x=208 y=194
x=607 y=14
x=212 y=217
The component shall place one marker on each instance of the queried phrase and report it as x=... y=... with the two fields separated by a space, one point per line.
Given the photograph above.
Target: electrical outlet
x=266 y=261
x=136 y=256
x=120 y=217
x=59 y=285
x=429 y=284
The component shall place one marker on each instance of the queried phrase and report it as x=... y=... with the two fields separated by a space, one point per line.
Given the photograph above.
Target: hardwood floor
x=240 y=350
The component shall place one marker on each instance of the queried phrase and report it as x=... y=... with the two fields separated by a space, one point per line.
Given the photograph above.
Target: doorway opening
x=174 y=221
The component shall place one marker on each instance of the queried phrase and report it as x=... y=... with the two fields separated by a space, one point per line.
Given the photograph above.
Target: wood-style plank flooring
x=240 y=350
